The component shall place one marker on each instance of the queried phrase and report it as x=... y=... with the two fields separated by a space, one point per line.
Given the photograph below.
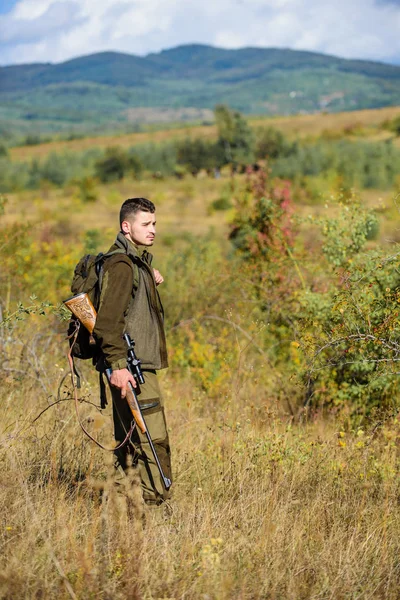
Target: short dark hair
x=133 y=205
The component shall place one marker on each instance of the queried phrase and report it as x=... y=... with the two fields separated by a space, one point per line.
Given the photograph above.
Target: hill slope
x=102 y=89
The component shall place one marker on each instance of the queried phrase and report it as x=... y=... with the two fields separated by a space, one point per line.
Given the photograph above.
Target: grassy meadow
x=282 y=396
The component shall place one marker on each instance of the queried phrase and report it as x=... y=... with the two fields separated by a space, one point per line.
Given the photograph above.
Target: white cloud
x=52 y=21
x=30 y=9
x=55 y=30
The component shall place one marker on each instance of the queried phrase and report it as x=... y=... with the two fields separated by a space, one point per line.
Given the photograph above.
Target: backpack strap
x=99 y=263
x=103 y=394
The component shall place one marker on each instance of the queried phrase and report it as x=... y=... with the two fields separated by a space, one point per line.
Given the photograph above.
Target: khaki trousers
x=137 y=452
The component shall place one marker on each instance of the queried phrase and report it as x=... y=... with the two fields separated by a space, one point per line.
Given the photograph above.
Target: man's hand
x=158 y=277
x=120 y=379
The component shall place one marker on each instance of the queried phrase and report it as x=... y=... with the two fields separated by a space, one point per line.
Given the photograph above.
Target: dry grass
x=315 y=124
x=293 y=126
x=182 y=206
x=261 y=509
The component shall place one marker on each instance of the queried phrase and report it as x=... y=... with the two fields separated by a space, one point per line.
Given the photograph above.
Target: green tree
x=236 y=142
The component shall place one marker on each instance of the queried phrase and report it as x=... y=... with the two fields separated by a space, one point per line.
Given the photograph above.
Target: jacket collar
x=132 y=250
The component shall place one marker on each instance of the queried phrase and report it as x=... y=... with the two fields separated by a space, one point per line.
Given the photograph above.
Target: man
x=130 y=303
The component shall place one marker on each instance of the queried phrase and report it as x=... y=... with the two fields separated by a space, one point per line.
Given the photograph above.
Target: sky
x=57 y=30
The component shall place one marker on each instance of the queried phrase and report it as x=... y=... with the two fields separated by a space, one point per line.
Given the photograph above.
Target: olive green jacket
x=130 y=303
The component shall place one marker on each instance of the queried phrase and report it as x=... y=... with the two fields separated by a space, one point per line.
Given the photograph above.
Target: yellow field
x=316 y=124
x=182 y=205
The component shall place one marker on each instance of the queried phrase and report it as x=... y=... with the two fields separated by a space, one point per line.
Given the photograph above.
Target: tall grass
x=271 y=501
x=261 y=508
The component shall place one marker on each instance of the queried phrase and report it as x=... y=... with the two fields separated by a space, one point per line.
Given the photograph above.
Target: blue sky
x=6 y=5
x=56 y=30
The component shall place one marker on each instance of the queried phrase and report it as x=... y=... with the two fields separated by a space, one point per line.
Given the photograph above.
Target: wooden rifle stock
x=82 y=308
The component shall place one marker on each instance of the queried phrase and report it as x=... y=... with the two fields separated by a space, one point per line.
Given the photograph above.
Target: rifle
x=81 y=306
x=136 y=371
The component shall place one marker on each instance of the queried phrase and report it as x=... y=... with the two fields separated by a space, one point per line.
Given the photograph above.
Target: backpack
x=88 y=277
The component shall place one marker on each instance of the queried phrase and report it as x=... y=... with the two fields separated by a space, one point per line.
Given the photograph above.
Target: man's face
x=140 y=228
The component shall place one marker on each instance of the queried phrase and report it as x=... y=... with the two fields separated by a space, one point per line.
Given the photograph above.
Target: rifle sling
x=73 y=371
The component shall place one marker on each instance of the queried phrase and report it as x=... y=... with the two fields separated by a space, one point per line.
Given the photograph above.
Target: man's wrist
x=119 y=364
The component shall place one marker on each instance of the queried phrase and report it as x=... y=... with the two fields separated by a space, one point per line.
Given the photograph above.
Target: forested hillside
x=102 y=90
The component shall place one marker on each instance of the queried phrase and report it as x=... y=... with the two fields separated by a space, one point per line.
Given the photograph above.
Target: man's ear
x=125 y=227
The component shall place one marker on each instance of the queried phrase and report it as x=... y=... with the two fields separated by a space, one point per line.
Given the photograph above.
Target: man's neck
x=130 y=241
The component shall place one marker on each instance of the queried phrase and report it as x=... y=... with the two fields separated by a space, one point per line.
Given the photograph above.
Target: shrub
x=271 y=144
x=32 y=139
x=222 y=203
x=197 y=154
x=55 y=169
x=333 y=314
x=92 y=241
x=393 y=125
x=112 y=166
x=156 y=158
x=87 y=189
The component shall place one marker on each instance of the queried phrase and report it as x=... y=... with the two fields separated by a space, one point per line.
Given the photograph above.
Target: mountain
x=102 y=90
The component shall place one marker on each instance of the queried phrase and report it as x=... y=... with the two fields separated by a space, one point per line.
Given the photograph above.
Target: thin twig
x=82 y=400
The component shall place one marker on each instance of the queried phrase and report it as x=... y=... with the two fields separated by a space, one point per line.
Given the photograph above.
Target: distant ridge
x=107 y=86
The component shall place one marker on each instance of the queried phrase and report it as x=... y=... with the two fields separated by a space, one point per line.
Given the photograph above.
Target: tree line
x=361 y=164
